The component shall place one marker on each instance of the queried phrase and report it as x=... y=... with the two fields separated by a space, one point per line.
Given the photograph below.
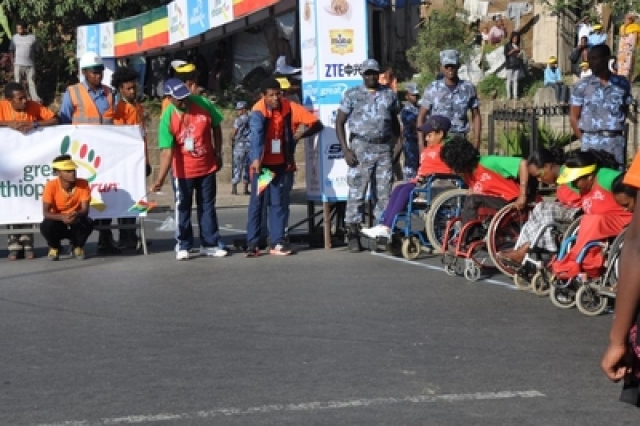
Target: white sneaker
x=182 y=255
x=212 y=252
x=378 y=231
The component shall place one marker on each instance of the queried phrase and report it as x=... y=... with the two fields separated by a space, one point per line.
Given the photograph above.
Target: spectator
x=139 y=64
x=192 y=147
x=497 y=32
x=23 y=55
x=240 y=149
x=584 y=28
x=585 y=71
x=553 y=78
x=579 y=55
x=65 y=207
x=24 y=116
x=597 y=36
x=485 y=36
x=630 y=26
x=514 y=63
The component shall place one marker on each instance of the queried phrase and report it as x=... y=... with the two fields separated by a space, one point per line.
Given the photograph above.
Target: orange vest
x=84 y=109
x=277 y=125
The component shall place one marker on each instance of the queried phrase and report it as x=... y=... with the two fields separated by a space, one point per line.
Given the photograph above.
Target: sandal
x=13 y=255
x=29 y=254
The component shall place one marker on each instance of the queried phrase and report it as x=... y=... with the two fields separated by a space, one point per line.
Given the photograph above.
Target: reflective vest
x=85 y=110
x=276 y=126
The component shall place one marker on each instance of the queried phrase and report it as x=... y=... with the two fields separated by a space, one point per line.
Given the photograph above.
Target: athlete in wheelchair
x=406 y=199
x=581 y=258
x=494 y=182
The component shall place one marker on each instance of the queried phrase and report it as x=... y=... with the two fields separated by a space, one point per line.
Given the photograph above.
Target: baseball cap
x=435 y=123
x=412 y=88
x=597 y=27
x=450 y=57
x=241 y=105
x=552 y=60
x=284 y=83
x=91 y=60
x=370 y=65
x=176 y=89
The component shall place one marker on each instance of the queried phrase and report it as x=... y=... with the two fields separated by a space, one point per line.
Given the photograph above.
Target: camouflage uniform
x=408 y=117
x=602 y=117
x=241 y=150
x=454 y=104
x=372 y=141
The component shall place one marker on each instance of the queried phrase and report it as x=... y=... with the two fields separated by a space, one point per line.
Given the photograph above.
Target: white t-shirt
x=584 y=30
x=584 y=74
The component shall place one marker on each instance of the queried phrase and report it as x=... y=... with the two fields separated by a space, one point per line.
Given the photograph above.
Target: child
x=435 y=130
x=65 y=206
x=585 y=71
x=240 y=143
x=409 y=116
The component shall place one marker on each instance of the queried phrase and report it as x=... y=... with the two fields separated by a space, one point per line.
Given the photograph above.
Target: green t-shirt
x=166 y=138
x=507 y=167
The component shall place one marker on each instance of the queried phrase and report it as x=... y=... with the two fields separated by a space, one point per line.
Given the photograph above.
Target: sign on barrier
x=111 y=158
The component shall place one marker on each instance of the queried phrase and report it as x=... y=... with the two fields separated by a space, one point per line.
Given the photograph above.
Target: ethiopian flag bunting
x=142 y=32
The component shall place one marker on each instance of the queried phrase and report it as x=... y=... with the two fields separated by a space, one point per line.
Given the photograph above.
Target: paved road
x=321 y=338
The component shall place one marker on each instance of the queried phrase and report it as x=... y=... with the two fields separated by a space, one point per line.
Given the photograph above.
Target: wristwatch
x=35 y=124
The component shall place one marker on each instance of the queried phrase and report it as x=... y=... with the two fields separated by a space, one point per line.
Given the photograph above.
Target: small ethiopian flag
x=143 y=206
x=142 y=32
x=264 y=179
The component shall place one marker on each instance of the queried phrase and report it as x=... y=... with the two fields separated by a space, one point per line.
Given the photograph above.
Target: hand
x=156 y=186
x=615 y=362
x=68 y=219
x=256 y=166
x=350 y=158
x=521 y=201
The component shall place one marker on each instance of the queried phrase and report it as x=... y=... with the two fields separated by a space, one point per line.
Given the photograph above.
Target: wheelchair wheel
x=521 y=283
x=472 y=272
x=610 y=277
x=563 y=298
x=540 y=284
x=444 y=207
x=589 y=302
x=503 y=234
x=410 y=248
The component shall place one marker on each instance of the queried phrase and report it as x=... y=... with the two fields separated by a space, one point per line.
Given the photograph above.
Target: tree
x=444 y=29
x=54 y=24
x=618 y=7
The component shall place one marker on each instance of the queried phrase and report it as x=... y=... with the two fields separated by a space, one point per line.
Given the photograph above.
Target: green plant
x=443 y=30
x=548 y=138
x=514 y=142
x=492 y=86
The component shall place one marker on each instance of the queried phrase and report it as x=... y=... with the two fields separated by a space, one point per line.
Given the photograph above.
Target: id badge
x=188 y=144
x=275 y=146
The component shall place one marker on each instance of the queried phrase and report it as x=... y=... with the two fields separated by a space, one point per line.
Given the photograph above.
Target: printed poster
x=178 y=30
x=220 y=12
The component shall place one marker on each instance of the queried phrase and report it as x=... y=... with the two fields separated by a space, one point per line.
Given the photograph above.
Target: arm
x=523 y=177
x=256 y=140
x=316 y=127
x=84 y=209
x=166 y=157
x=577 y=101
x=46 y=212
x=66 y=109
x=46 y=117
x=476 y=121
x=165 y=143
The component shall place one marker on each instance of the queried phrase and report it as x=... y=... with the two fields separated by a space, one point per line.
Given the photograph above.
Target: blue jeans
x=273 y=196
x=287 y=188
x=205 y=189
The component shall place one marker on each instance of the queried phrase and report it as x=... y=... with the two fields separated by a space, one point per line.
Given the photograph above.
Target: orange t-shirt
x=33 y=112
x=60 y=201
x=632 y=177
x=431 y=163
x=127 y=114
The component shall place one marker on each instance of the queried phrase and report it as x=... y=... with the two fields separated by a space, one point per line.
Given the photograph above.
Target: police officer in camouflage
x=599 y=106
x=371 y=111
x=240 y=142
x=408 y=117
x=453 y=98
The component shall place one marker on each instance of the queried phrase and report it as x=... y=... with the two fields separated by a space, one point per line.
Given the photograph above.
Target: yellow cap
x=597 y=27
x=552 y=60
x=568 y=175
x=284 y=83
x=65 y=165
x=584 y=64
x=186 y=68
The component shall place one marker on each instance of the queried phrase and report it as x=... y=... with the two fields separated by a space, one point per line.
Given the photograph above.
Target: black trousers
x=54 y=231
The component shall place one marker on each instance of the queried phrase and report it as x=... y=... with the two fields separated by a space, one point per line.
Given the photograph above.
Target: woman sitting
x=549 y=166
x=593 y=174
x=435 y=130
x=493 y=181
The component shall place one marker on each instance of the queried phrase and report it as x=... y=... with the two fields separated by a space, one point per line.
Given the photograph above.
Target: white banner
x=178 y=16
x=220 y=12
x=111 y=158
x=106 y=40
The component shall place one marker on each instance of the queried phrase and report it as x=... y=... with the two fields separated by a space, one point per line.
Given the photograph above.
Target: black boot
x=246 y=189
x=354 y=238
x=234 y=189
x=106 y=244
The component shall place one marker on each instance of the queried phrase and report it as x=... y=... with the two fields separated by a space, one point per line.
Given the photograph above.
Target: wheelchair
x=406 y=240
x=593 y=299
x=465 y=256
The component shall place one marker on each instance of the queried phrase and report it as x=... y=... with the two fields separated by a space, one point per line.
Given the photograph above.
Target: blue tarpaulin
x=402 y=3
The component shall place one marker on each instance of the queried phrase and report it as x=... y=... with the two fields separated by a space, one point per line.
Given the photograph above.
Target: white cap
x=90 y=59
x=283 y=68
x=177 y=63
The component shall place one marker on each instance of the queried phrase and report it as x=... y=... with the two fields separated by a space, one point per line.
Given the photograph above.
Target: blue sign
x=197 y=17
x=326 y=92
x=93 y=39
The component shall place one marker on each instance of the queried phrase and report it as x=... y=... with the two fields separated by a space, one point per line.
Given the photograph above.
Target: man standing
x=599 y=106
x=192 y=149
x=408 y=116
x=129 y=112
x=372 y=113
x=240 y=144
x=91 y=102
x=453 y=98
x=23 y=55
x=23 y=116
x=273 y=145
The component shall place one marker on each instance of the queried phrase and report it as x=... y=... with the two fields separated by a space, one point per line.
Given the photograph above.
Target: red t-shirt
x=431 y=163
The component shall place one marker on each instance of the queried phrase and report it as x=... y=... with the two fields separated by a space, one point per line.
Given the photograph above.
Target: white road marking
x=438 y=268
x=305 y=406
